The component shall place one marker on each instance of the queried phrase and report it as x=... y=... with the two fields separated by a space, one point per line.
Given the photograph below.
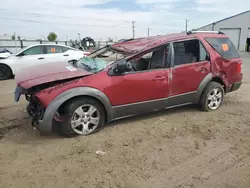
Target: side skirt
x=134 y=109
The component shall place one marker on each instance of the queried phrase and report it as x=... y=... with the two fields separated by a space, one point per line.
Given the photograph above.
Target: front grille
x=35 y=109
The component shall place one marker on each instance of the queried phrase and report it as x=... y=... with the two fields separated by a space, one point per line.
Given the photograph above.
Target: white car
x=36 y=55
x=4 y=54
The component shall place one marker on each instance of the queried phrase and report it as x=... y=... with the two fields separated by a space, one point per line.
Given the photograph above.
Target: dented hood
x=46 y=73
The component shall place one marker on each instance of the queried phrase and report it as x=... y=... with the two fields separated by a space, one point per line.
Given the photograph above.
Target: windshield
x=91 y=65
x=99 y=59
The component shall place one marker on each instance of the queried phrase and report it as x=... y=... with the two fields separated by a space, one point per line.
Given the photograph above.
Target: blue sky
x=101 y=19
x=128 y=5
x=133 y=5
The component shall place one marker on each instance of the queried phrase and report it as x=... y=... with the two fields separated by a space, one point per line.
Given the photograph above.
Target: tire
x=5 y=72
x=81 y=107
x=210 y=99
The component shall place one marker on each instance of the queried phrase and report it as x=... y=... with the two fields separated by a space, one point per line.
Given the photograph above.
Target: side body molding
x=202 y=86
x=45 y=125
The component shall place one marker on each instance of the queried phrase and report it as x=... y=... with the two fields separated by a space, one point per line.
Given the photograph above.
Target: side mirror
x=72 y=62
x=122 y=67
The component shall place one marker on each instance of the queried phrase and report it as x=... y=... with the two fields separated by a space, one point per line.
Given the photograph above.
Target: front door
x=143 y=90
x=31 y=57
x=191 y=66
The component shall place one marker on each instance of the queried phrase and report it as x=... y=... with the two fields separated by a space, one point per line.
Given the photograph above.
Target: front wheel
x=84 y=116
x=212 y=97
x=5 y=72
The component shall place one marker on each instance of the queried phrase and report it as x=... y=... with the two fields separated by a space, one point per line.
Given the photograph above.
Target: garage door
x=233 y=34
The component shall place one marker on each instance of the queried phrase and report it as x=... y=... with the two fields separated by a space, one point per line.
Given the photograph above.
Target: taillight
x=86 y=53
x=239 y=66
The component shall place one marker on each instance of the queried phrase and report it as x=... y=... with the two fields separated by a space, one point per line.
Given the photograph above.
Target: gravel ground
x=180 y=148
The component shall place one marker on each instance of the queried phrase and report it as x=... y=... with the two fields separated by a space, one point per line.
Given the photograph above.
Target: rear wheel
x=5 y=72
x=212 y=97
x=84 y=116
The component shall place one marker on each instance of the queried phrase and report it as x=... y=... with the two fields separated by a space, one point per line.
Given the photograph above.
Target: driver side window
x=153 y=60
x=36 y=50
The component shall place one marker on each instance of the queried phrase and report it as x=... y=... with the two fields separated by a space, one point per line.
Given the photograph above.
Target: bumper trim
x=45 y=125
x=236 y=86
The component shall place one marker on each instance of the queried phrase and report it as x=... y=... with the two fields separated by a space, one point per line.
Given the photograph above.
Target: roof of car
x=143 y=44
x=49 y=45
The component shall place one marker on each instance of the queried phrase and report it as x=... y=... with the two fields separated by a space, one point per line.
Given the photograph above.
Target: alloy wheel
x=214 y=99
x=85 y=119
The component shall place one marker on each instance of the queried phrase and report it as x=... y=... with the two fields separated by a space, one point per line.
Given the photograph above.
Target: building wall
x=241 y=21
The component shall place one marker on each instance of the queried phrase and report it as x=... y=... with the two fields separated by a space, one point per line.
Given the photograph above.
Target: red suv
x=130 y=78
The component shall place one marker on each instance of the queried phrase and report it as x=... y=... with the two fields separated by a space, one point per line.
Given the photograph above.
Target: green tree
x=52 y=36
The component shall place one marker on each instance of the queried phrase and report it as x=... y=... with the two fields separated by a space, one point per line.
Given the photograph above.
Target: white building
x=236 y=27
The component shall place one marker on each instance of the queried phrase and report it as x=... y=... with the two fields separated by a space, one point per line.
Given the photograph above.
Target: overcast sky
x=101 y=19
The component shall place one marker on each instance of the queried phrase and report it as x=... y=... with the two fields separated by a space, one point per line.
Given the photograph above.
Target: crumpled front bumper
x=45 y=125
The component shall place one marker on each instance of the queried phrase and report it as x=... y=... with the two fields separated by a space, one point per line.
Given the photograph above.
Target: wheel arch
x=45 y=125
x=204 y=83
x=11 y=69
x=61 y=107
x=220 y=81
x=202 y=86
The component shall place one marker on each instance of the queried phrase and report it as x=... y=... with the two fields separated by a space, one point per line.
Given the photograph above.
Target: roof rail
x=214 y=32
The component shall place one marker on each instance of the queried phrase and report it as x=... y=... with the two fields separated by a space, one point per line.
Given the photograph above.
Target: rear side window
x=190 y=51
x=224 y=47
x=54 y=49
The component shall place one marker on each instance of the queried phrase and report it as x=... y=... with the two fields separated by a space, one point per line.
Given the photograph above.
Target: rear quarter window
x=224 y=47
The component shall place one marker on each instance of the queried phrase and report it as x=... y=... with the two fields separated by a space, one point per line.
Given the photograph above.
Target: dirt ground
x=180 y=148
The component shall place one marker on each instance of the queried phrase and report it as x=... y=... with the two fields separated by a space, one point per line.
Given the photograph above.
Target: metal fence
x=16 y=46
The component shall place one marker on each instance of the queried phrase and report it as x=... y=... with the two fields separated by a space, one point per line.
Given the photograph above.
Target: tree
x=18 y=38
x=52 y=36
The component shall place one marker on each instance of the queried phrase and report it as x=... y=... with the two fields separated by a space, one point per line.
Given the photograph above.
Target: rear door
x=190 y=66
x=54 y=53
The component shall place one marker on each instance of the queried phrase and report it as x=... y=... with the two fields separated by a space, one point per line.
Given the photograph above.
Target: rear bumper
x=236 y=86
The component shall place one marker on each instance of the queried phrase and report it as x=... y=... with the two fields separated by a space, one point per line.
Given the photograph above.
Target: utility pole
x=79 y=37
x=148 y=31
x=133 y=28
x=187 y=25
x=15 y=41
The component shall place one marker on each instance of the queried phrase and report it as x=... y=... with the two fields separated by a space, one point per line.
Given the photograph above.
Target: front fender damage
x=46 y=123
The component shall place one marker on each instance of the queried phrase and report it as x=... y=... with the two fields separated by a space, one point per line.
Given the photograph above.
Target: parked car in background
x=4 y=53
x=143 y=75
x=37 y=55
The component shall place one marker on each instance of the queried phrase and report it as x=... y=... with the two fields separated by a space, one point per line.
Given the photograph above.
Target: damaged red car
x=133 y=77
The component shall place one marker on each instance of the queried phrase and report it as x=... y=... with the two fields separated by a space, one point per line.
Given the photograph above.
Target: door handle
x=40 y=58
x=66 y=55
x=157 y=78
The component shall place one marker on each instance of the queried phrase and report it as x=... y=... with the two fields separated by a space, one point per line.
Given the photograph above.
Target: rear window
x=224 y=47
